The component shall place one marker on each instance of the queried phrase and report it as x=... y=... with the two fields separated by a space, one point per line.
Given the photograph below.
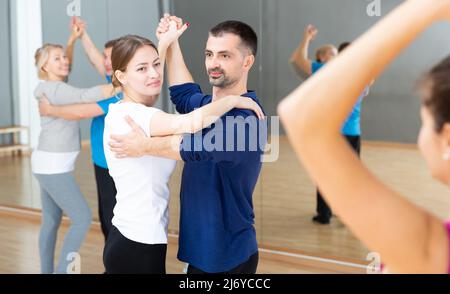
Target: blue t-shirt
x=97 y=128
x=216 y=219
x=352 y=126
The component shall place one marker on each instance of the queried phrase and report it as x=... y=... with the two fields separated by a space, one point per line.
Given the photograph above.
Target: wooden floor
x=19 y=233
x=284 y=197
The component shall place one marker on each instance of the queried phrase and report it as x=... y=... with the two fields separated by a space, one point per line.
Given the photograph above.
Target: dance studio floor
x=284 y=200
x=19 y=234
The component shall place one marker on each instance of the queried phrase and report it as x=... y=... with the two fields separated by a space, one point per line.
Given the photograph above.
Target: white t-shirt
x=141 y=213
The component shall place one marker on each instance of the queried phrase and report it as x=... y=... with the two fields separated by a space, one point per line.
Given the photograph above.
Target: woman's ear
x=445 y=141
x=445 y=135
x=121 y=77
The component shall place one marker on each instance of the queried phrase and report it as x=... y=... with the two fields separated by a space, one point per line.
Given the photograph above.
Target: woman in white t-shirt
x=137 y=242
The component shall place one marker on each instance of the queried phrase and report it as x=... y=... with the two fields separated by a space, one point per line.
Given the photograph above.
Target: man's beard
x=222 y=82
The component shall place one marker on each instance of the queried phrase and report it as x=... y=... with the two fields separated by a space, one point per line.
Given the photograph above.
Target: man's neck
x=237 y=90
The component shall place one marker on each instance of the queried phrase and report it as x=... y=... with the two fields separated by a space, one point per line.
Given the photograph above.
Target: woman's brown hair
x=435 y=86
x=123 y=51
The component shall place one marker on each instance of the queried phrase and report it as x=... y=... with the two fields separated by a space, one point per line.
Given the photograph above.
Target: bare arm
x=300 y=55
x=94 y=55
x=167 y=147
x=75 y=34
x=168 y=32
x=177 y=71
x=408 y=238
x=139 y=144
x=69 y=50
x=164 y=124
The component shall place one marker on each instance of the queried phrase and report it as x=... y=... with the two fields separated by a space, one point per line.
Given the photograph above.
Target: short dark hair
x=243 y=30
x=110 y=43
x=343 y=46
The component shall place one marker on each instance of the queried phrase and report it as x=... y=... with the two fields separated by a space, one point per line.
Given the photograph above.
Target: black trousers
x=322 y=208
x=124 y=256
x=106 y=193
x=248 y=267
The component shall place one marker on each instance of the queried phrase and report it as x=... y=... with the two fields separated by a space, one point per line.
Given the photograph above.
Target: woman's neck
x=55 y=78
x=139 y=99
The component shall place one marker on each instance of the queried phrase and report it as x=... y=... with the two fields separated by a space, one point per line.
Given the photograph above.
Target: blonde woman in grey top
x=53 y=161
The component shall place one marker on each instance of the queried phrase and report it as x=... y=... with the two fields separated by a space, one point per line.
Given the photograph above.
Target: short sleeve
x=315 y=66
x=104 y=104
x=143 y=115
x=39 y=91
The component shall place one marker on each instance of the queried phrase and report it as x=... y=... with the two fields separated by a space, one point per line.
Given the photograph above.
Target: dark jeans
x=323 y=210
x=124 y=256
x=106 y=192
x=248 y=267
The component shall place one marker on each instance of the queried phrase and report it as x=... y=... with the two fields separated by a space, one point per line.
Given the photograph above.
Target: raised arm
x=177 y=71
x=76 y=32
x=300 y=56
x=94 y=55
x=168 y=32
x=409 y=239
x=69 y=50
x=164 y=124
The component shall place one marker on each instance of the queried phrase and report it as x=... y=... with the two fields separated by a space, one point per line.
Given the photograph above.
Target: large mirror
x=284 y=198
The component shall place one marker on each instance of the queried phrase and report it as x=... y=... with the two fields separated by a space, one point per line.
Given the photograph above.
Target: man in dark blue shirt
x=222 y=163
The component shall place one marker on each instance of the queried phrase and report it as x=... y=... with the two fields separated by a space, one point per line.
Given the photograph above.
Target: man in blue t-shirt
x=351 y=128
x=106 y=189
x=221 y=163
